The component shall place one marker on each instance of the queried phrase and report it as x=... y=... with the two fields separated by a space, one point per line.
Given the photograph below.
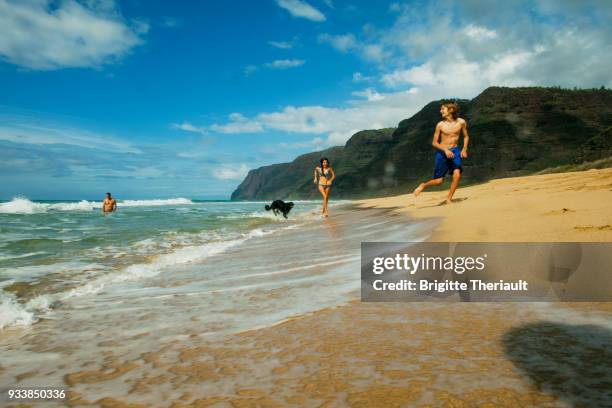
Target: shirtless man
x=109 y=204
x=448 y=155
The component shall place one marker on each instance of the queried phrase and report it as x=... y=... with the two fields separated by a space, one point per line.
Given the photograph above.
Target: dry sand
x=562 y=207
x=402 y=354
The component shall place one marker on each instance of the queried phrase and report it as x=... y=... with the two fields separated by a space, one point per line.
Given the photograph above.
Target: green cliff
x=513 y=131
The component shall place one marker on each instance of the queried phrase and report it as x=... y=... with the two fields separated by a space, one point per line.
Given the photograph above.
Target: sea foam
x=14 y=313
x=21 y=205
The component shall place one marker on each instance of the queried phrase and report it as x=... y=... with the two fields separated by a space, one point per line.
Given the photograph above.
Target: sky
x=158 y=99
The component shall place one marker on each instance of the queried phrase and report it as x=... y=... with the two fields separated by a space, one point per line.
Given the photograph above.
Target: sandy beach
x=544 y=208
x=399 y=354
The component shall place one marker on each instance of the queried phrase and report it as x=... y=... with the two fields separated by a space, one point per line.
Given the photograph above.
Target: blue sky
x=166 y=99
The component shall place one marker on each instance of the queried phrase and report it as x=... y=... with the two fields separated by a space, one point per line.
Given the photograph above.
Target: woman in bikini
x=323 y=176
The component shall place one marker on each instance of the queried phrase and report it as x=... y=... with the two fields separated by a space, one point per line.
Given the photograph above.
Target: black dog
x=280 y=206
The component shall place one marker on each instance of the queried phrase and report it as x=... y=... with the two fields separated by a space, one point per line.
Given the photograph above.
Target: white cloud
x=299 y=8
x=285 y=63
x=419 y=75
x=462 y=50
x=466 y=78
x=238 y=124
x=144 y=172
x=333 y=126
x=478 y=32
x=343 y=43
x=359 y=77
x=27 y=131
x=459 y=55
x=47 y=35
x=370 y=94
x=317 y=143
x=374 y=52
x=349 y=43
x=188 y=127
x=284 y=45
x=237 y=172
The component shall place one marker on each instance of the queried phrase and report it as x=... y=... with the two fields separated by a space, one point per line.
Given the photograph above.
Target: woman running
x=323 y=176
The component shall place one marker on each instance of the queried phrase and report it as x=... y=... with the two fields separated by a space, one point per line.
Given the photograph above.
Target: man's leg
x=423 y=186
x=454 y=185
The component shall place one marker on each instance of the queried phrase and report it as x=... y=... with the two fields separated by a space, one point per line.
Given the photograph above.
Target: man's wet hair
x=108 y=194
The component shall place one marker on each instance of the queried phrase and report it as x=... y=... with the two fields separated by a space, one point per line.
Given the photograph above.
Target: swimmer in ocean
x=109 y=204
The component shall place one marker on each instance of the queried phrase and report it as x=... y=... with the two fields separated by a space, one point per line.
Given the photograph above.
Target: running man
x=109 y=204
x=448 y=155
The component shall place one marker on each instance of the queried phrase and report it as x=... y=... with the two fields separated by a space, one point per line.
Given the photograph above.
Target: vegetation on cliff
x=513 y=131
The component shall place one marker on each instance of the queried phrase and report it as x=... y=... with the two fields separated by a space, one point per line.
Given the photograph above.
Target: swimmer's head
x=108 y=195
x=326 y=161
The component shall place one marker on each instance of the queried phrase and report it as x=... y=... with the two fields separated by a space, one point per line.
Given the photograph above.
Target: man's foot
x=418 y=190
x=448 y=201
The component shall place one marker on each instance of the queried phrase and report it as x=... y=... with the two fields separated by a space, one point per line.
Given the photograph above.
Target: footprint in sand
x=586 y=228
x=561 y=211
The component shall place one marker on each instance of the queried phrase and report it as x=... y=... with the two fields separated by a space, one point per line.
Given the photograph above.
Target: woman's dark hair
x=325 y=159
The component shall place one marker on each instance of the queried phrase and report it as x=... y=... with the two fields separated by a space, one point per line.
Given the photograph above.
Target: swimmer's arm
x=114 y=205
x=466 y=140
x=333 y=175
x=315 y=174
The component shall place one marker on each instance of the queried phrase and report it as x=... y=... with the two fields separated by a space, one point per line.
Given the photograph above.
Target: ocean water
x=73 y=281
x=51 y=252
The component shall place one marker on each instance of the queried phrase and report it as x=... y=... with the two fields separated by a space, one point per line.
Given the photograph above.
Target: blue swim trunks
x=445 y=165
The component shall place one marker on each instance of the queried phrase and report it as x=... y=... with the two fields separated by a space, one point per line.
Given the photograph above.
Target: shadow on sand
x=572 y=362
x=441 y=203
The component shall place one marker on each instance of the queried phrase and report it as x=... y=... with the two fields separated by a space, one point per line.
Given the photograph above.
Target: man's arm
x=435 y=142
x=114 y=205
x=466 y=140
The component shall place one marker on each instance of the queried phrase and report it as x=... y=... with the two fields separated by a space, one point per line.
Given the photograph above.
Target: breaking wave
x=21 y=205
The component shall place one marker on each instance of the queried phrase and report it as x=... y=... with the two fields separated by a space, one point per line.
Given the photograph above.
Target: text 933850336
x=34 y=394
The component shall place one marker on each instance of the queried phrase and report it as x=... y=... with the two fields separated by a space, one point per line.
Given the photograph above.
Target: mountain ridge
x=513 y=131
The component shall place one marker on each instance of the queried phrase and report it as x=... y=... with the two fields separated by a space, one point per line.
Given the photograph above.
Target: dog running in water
x=279 y=206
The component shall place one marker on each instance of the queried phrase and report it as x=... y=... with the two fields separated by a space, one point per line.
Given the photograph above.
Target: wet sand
x=400 y=354
x=381 y=355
